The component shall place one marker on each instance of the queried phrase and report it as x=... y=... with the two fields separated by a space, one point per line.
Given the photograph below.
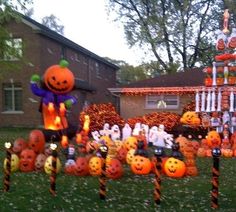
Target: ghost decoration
x=126 y=131
x=152 y=136
x=137 y=129
x=96 y=136
x=106 y=130
x=115 y=132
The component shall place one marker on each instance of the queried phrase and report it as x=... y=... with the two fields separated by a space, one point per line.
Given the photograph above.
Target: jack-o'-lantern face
x=81 y=168
x=95 y=166
x=131 y=143
x=37 y=141
x=27 y=160
x=70 y=169
x=141 y=165
x=174 y=168
x=228 y=153
x=190 y=118
x=213 y=139
x=48 y=165
x=14 y=162
x=130 y=156
x=39 y=162
x=114 y=169
x=59 y=79
x=121 y=154
x=19 y=145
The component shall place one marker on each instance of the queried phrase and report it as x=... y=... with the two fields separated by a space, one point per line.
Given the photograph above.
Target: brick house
x=163 y=93
x=38 y=48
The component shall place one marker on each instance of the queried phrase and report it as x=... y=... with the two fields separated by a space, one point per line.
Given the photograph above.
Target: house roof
x=180 y=82
x=55 y=36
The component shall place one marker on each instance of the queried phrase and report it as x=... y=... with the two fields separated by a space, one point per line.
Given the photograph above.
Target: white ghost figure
x=106 y=130
x=96 y=136
x=161 y=134
x=168 y=139
x=115 y=132
x=126 y=131
x=152 y=135
x=137 y=129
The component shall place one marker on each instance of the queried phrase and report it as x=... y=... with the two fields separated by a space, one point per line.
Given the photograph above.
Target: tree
x=53 y=23
x=178 y=33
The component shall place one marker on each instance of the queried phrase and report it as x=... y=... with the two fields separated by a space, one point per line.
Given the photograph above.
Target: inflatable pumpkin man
x=59 y=81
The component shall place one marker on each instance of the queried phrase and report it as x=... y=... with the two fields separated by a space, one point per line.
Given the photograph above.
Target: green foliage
x=52 y=22
x=30 y=191
x=176 y=32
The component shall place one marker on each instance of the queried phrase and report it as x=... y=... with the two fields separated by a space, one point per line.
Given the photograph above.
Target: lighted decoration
x=40 y=161
x=140 y=165
x=15 y=163
x=82 y=167
x=95 y=166
x=114 y=169
x=190 y=118
x=59 y=81
x=36 y=141
x=27 y=160
x=48 y=165
x=174 y=167
x=86 y=123
x=18 y=145
x=7 y=171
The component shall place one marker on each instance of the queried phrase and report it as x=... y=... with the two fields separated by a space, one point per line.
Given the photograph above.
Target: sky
x=86 y=23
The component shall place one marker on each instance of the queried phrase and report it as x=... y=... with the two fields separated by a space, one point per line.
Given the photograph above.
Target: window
x=97 y=68
x=162 y=102
x=12 y=97
x=12 y=49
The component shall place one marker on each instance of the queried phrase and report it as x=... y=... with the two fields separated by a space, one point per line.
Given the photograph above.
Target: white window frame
x=12 y=88
x=17 y=44
x=160 y=101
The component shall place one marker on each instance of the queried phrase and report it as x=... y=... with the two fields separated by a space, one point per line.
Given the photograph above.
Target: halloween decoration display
x=121 y=154
x=27 y=160
x=18 y=145
x=130 y=156
x=157 y=171
x=7 y=171
x=114 y=169
x=141 y=165
x=140 y=149
x=59 y=81
x=53 y=169
x=48 y=165
x=213 y=139
x=40 y=161
x=215 y=178
x=15 y=161
x=174 y=167
x=131 y=143
x=95 y=166
x=102 y=178
x=36 y=141
x=81 y=167
x=190 y=118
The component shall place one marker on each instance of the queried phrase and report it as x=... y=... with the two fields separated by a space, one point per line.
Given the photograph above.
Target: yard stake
x=157 y=172
x=102 y=177
x=7 y=171
x=215 y=178
x=54 y=170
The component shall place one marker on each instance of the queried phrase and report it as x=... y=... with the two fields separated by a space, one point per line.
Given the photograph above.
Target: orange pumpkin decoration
x=201 y=152
x=81 y=168
x=36 y=141
x=213 y=139
x=114 y=169
x=59 y=79
x=190 y=118
x=182 y=142
x=27 y=160
x=95 y=166
x=18 y=145
x=191 y=171
x=131 y=143
x=228 y=153
x=208 y=81
x=174 y=168
x=130 y=156
x=141 y=165
x=121 y=154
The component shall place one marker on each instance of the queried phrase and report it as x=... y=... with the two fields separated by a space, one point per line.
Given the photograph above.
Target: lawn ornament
x=126 y=131
x=140 y=165
x=152 y=136
x=190 y=118
x=137 y=129
x=81 y=167
x=15 y=163
x=141 y=149
x=48 y=165
x=174 y=167
x=27 y=160
x=18 y=145
x=213 y=139
x=121 y=154
x=96 y=136
x=36 y=141
x=115 y=132
x=106 y=130
x=131 y=143
x=40 y=161
x=114 y=169
x=130 y=156
x=59 y=81
x=95 y=166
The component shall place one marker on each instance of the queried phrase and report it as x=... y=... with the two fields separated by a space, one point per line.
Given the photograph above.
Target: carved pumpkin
x=70 y=169
x=37 y=141
x=141 y=165
x=174 y=168
x=191 y=171
x=190 y=118
x=121 y=154
x=59 y=79
x=48 y=165
x=95 y=166
x=228 y=153
x=15 y=161
x=27 y=160
x=81 y=168
x=131 y=143
x=18 y=145
x=114 y=169
x=213 y=139
x=130 y=156
x=39 y=162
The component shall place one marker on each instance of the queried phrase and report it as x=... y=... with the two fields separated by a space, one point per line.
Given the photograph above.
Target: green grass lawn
x=30 y=191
